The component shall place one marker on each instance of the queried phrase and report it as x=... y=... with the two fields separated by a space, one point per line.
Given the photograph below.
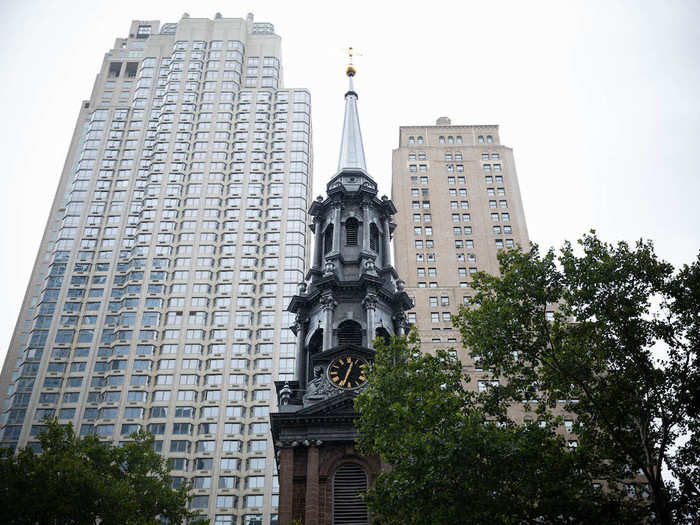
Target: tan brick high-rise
x=458 y=201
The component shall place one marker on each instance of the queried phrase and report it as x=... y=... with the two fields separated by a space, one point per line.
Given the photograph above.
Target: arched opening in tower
x=350 y=333
x=328 y=239
x=374 y=237
x=351 y=230
x=383 y=334
x=316 y=341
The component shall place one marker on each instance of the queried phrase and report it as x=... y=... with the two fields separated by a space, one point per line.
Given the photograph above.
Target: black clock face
x=346 y=372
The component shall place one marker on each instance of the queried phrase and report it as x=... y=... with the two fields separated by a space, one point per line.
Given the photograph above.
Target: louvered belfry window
x=349 y=333
x=349 y=481
x=351 y=229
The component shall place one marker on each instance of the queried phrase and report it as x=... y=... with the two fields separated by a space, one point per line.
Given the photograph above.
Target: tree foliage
x=79 y=480
x=620 y=353
x=451 y=463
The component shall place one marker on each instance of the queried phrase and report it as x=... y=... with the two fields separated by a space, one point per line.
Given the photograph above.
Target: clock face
x=346 y=372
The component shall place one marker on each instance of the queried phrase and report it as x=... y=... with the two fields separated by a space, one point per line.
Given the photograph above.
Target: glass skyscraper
x=176 y=239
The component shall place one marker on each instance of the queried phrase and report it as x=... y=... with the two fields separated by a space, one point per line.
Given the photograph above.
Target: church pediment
x=332 y=418
x=343 y=403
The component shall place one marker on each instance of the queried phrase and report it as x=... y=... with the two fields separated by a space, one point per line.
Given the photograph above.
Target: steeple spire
x=352 y=152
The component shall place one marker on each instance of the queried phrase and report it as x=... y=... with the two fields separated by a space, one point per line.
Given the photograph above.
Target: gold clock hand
x=347 y=374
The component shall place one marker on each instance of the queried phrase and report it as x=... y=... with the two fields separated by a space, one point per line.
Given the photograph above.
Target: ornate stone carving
x=400 y=319
x=328 y=268
x=319 y=388
x=293 y=444
x=285 y=395
x=370 y=301
x=300 y=322
x=327 y=302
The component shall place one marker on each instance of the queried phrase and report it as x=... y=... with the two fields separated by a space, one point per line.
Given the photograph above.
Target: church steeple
x=352 y=152
x=352 y=295
x=351 y=285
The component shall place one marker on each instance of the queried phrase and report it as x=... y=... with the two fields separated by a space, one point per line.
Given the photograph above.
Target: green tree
x=452 y=463
x=620 y=353
x=79 y=480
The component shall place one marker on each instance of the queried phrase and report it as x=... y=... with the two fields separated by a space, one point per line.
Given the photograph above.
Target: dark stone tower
x=352 y=296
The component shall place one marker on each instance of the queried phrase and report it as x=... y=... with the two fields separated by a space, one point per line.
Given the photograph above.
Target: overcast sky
x=599 y=101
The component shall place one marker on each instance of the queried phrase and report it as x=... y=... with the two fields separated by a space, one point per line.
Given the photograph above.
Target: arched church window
x=328 y=239
x=382 y=333
x=349 y=481
x=374 y=237
x=316 y=341
x=351 y=229
x=350 y=333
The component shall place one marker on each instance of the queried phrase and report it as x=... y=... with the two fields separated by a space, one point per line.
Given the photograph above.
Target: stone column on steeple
x=370 y=305
x=318 y=241
x=365 y=226
x=328 y=304
x=336 y=227
x=300 y=326
x=367 y=254
x=387 y=242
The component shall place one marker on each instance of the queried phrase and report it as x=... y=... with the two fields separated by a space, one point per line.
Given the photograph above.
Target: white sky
x=599 y=100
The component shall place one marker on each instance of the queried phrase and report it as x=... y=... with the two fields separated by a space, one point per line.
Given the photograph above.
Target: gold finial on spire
x=350 y=71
